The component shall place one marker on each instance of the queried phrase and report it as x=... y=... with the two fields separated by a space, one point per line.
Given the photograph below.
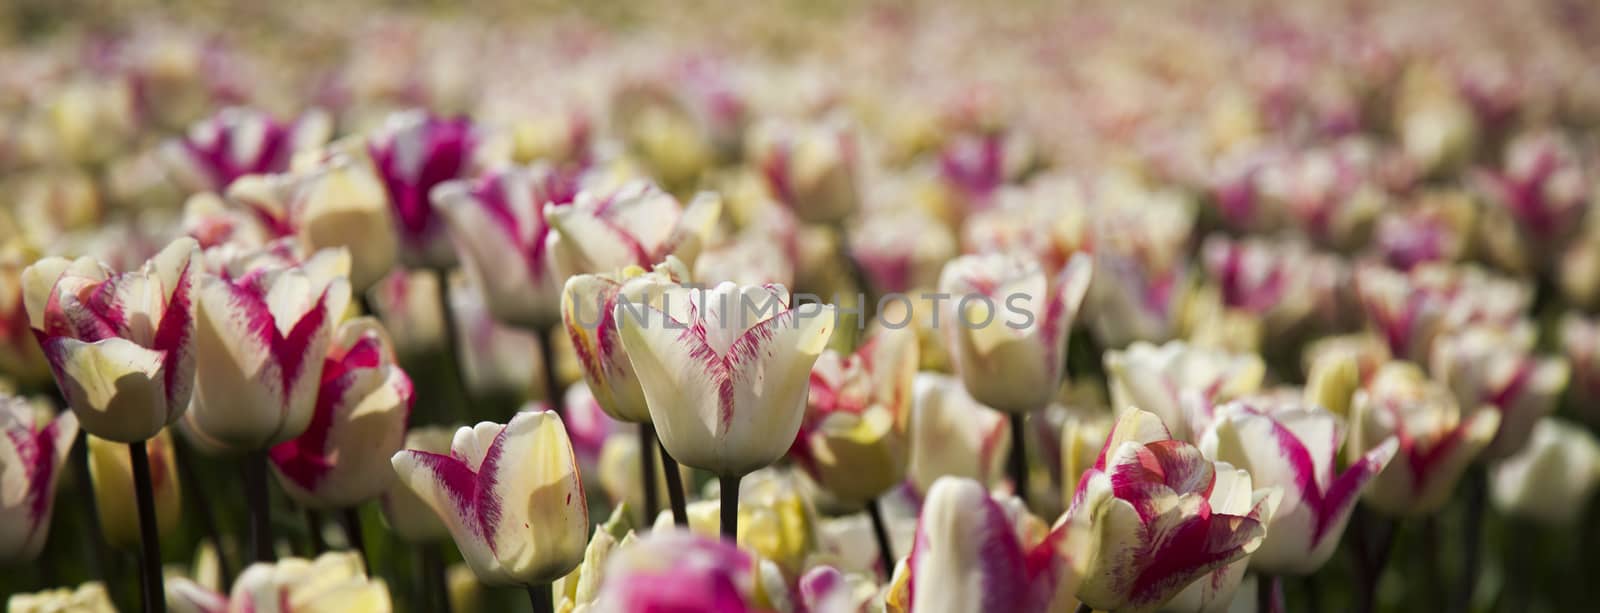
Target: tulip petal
x=117 y=388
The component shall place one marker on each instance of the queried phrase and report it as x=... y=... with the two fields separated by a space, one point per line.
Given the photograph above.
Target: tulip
x=1332 y=193
x=824 y=589
x=510 y=496
x=726 y=390
x=621 y=476
x=1295 y=448
x=407 y=514
x=337 y=203
x=20 y=355
x=111 y=471
x=407 y=301
x=1580 y=341
x=1011 y=361
x=581 y=587
x=777 y=522
x=679 y=123
x=32 y=457
x=1141 y=273
x=259 y=341
x=1282 y=283
x=749 y=258
x=1162 y=379
x=504 y=213
x=809 y=168
x=90 y=597
x=1434 y=230
x=976 y=553
x=1537 y=200
x=902 y=250
x=1409 y=310
x=497 y=360
x=120 y=344
x=675 y=570
x=953 y=435
x=1163 y=516
x=587 y=306
x=1553 y=478
x=637 y=224
x=357 y=423
x=334 y=581
x=854 y=439
x=1050 y=218
x=236 y=142
x=978 y=164
x=1083 y=435
x=1487 y=365
x=413 y=153
x=1437 y=437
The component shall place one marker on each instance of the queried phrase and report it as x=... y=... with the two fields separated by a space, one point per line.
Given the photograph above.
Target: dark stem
x=314 y=529
x=680 y=505
x=1019 y=456
x=647 y=470
x=730 y=507
x=433 y=579
x=1434 y=583
x=1372 y=567
x=1083 y=608
x=97 y=538
x=260 y=501
x=155 y=594
x=452 y=342
x=1477 y=489
x=552 y=381
x=1313 y=594
x=202 y=506
x=543 y=601
x=1269 y=594
x=350 y=519
x=881 y=531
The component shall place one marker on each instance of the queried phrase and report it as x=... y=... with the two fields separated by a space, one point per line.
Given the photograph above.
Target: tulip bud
x=497 y=360
x=237 y=142
x=1294 y=448
x=1011 y=360
x=407 y=301
x=33 y=457
x=120 y=344
x=1163 y=516
x=1553 y=478
x=1409 y=310
x=824 y=589
x=635 y=225
x=1438 y=438
x=953 y=435
x=587 y=307
x=809 y=168
x=413 y=153
x=901 y=251
x=582 y=586
x=259 y=341
x=363 y=402
x=1537 y=200
x=407 y=514
x=510 y=496
x=975 y=553
x=1281 y=282
x=90 y=597
x=1487 y=365
x=337 y=203
x=111 y=470
x=503 y=213
x=724 y=371
x=854 y=440
x=1157 y=378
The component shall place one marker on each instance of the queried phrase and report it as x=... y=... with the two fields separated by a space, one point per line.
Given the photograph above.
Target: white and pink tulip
x=32 y=455
x=855 y=439
x=358 y=423
x=510 y=495
x=1437 y=437
x=413 y=153
x=239 y=141
x=588 y=310
x=637 y=224
x=122 y=345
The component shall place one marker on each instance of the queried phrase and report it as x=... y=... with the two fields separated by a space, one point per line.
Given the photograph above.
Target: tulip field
x=891 y=306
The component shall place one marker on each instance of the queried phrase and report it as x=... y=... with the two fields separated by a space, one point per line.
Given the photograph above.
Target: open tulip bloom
x=413 y=153
x=1296 y=449
x=239 y=141
x=1438 y=438
x=1162 y=517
